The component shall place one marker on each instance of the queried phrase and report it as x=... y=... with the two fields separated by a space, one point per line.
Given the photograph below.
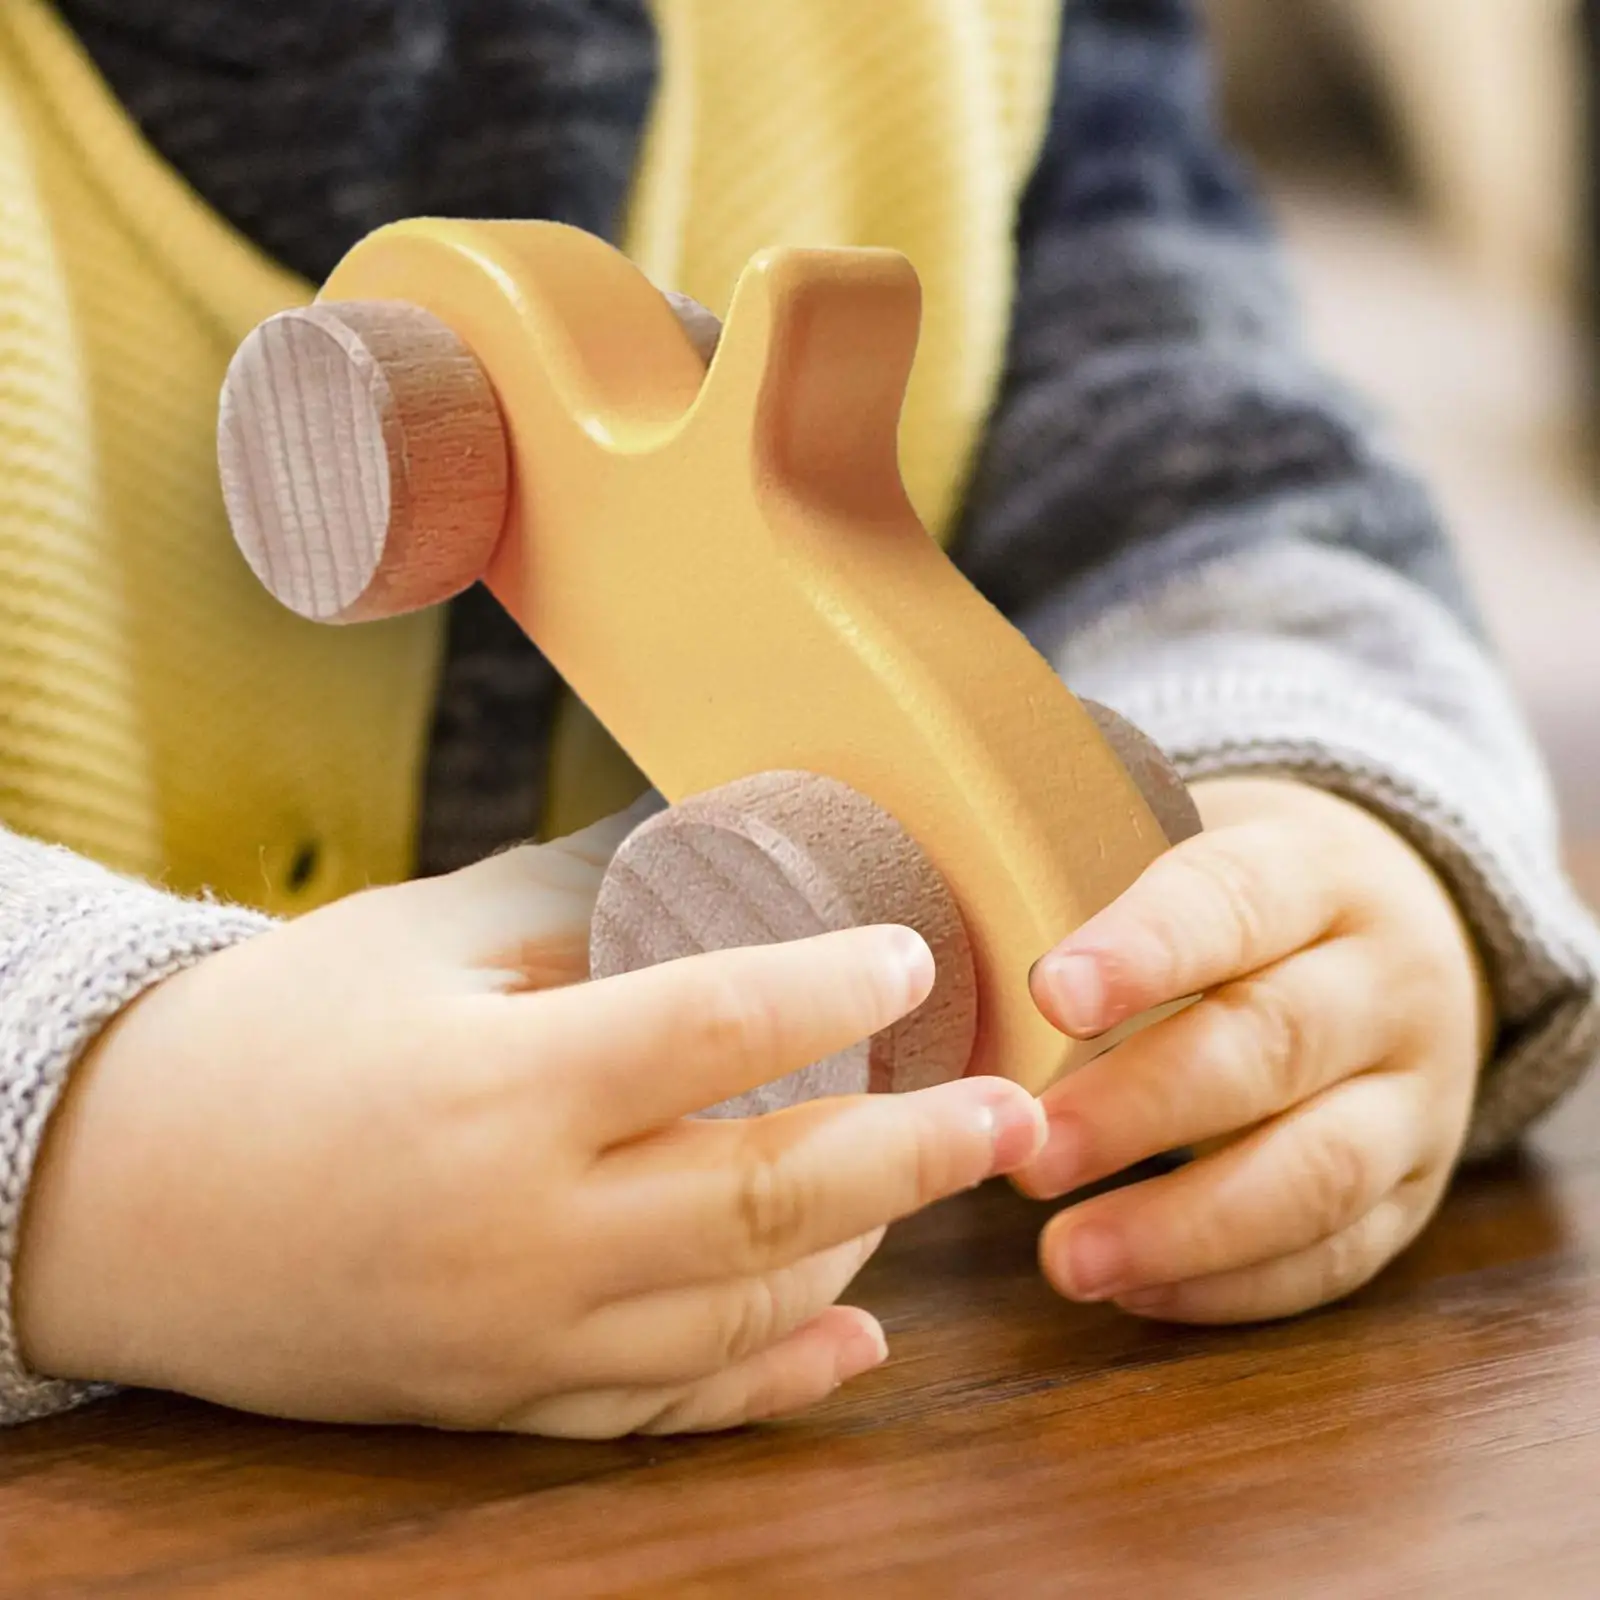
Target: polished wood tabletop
x=1437 y=1435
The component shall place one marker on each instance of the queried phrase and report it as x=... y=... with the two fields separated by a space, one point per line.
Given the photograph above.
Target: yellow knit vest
x=157 y=710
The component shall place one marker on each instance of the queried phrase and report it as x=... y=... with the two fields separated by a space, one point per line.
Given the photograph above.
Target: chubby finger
x=709 y=1201
x=1251 y=1049
x=1219 y=906
x=1293 y=1284
x=678 y=1336
x=642 y=1049
x=1300 y=1179
x=791 y=1376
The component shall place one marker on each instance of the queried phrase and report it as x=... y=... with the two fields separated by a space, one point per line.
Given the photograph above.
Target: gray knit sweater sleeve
x=77 y=944
x=1202 y=531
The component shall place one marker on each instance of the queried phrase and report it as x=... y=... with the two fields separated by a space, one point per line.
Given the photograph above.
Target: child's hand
x=356 y=1169
x=1335 y=1057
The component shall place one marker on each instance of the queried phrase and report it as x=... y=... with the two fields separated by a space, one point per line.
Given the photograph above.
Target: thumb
x=597 y=843
x=527 y=910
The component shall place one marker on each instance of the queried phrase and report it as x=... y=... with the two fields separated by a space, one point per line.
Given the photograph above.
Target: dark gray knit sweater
x=1173 y=501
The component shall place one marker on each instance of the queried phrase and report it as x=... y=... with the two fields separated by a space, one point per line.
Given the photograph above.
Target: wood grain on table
x=1437 y=1435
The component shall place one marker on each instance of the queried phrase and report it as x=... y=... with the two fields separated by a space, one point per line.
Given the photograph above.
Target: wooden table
x=1437 y=1436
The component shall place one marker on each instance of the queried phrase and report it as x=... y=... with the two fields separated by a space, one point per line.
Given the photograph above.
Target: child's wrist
x=84 y=1223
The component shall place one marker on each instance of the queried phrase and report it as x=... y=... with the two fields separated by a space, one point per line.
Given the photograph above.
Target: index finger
x=646 y=1048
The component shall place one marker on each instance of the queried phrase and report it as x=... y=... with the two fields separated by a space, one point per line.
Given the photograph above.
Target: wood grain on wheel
x=363 y=460
x=783 y=856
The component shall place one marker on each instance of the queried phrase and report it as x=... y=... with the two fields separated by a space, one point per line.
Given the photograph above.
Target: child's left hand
x=1329 y=1072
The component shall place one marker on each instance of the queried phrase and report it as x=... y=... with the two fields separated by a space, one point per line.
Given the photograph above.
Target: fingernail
x=1059 y=1166
x=1091 y=1264
x=910 y=952
x=1015 y=1123
x=866 y=1349
x=1076 y=990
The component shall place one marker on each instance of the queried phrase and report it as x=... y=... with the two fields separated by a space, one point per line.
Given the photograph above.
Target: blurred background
x=1434 y=164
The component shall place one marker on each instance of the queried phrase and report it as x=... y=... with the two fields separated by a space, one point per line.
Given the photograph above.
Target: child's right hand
x=396 y=1162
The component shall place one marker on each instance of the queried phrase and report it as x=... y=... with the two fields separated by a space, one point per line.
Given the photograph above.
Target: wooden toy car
x=704 y=529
